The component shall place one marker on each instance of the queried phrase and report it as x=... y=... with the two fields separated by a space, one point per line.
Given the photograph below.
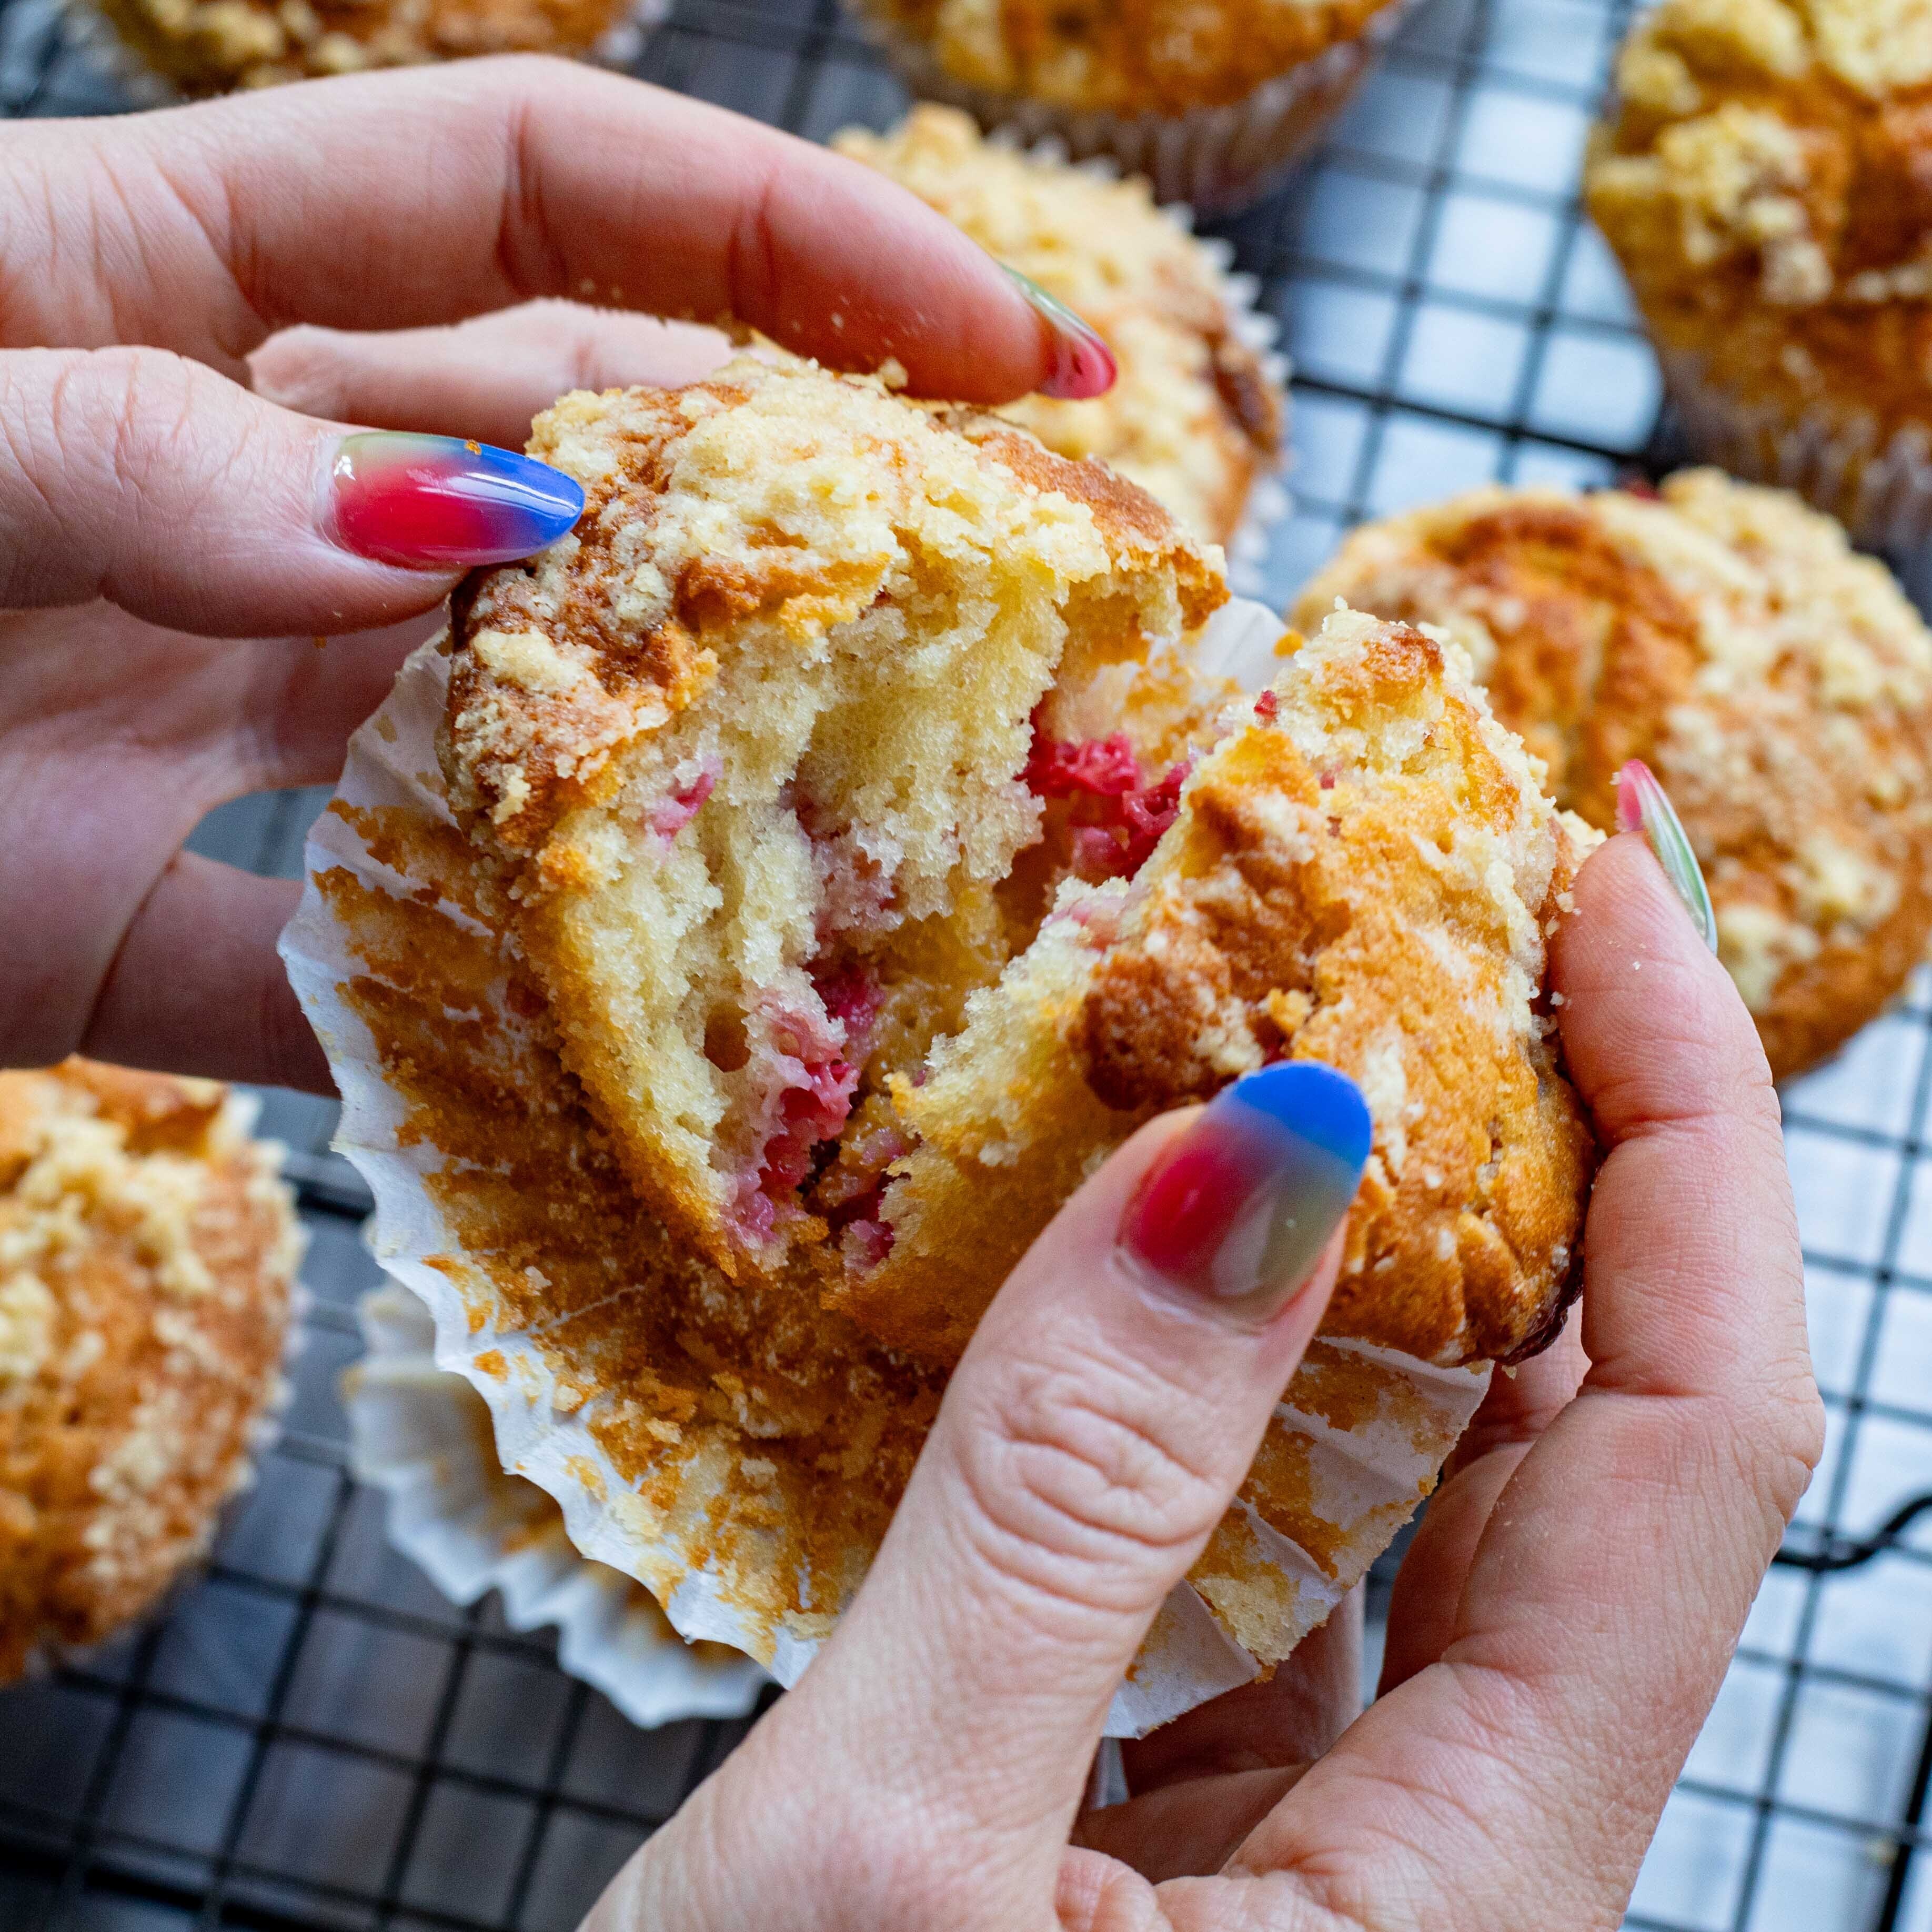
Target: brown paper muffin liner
x=422 y=1435
x=1219 y=160
x=556 y=1299
x=1880 y=491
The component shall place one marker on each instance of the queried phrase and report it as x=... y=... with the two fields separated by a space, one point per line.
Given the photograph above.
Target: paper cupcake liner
x=1881 y=492
x=1219 y=160
x=422 y=1435
x=90 y=31
x=386 y=937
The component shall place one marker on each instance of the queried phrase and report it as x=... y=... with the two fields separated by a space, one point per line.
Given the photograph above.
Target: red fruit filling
x=1266 y=706
x=1116 y=818
x=674 y=812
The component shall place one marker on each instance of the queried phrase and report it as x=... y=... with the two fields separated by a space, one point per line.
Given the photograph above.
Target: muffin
x=1765 y=176
x=201 y=47
x=1196 y=417
x=1780 y=686
x=1212 y=102
x=147 y=1256
x=735 y=939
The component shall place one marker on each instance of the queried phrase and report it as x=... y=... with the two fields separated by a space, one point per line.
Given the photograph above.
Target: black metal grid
x=313 y=1738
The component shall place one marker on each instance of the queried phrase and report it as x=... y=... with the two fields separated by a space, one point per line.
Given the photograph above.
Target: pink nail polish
x=1083 y=366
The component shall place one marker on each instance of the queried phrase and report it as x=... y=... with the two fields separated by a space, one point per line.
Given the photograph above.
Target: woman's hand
x=1560 y=1626
x=173 y=546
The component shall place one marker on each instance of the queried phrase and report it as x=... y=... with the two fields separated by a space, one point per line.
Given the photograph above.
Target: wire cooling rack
x=312 y=1738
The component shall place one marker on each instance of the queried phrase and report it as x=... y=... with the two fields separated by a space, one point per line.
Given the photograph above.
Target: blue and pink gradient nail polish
x=1239 y=1208
x=1083 y=365
x=431 y=502
x=1643 y=805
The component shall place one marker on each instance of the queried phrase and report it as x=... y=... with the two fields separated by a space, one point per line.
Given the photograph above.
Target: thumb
x=1091 y=1438
x=142 y=477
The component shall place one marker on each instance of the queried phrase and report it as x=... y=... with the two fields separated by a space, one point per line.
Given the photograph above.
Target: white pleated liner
x=1881 y=493
x=1219 y=160
x=1371 y=1479
x=423 y=1436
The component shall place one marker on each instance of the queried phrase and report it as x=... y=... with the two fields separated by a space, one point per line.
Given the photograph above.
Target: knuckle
x=1076 y=1485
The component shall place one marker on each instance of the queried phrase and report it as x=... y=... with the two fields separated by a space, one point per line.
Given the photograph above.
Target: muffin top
x=1196 y=413
x=146 y=1254
x=1766 y=176
x=1779 y=685
x=1363 y=871
x=749 y=746
x=1127 y=56
x=210 y=46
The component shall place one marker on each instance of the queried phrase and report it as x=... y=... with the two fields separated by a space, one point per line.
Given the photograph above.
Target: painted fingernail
x=1643 y=805
x=432 y=502
x=1083 y=364
x=1239 y=1207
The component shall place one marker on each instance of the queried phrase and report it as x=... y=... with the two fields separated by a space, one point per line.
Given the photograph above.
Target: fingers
x=1090 y=1438
x=486 y=378
x=196 y=986
x=1614 y=1570
x=140 y=477
x=424 y=196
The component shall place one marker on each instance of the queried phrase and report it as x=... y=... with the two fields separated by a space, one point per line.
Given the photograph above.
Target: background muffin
x=1765 y=179
x=1210 y=99
x=1197 y=416
x=147 y=1251
x=1780 y=687
x=210 y=46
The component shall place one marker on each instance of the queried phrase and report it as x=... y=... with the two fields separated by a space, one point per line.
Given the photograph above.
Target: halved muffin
x=751 y=749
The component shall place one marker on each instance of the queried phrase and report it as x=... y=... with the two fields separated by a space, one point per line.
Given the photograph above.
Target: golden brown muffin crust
x=1780 y=686
x=1765 y=177
x=1194 y=418
x=146 y=1255
x=1128 y=56
x=210 y=46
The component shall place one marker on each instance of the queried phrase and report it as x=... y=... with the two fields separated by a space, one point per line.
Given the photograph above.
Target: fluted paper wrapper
x=422 y=1434
x=495 y=1203
x=1218 y=160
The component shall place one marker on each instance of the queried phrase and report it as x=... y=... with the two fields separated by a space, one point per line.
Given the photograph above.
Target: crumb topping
x=1763 y=177
x=1779 y=685
x=1195 y=416
x=210 y=46
x=146 y=1252
x=1128 y=56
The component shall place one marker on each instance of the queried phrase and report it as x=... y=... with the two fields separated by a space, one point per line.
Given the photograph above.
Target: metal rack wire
x=312 y=1738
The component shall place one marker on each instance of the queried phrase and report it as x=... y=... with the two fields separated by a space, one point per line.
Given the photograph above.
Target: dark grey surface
x=312 y=1738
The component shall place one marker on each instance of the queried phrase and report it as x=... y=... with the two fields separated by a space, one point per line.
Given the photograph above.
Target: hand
x=175 y=546
x=1561 y=1625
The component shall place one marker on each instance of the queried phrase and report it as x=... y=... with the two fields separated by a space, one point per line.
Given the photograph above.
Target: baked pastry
x=1212 y=102
x=1765 y=175
x=211 y=46
x=1780 y=686
x=1196 y=417
x=800 y=744
x=147 y=1253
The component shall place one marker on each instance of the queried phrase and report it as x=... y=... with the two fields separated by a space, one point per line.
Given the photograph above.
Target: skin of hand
x=173 y=544
x=1562 y=1622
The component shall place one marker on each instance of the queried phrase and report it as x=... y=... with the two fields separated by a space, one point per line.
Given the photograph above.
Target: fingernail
x=1083 y=365
x=427 y=502
x=1239 y=1207
x=1643 y=805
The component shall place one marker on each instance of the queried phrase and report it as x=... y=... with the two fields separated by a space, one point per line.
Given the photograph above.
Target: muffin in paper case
x=1218 y=156
x=422 y=1435
x=561 y=1302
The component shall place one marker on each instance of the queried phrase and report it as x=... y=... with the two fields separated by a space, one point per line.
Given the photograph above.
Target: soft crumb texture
x=1365 y=872
x=211 y=46
x=147 y=1252
x=1195 y=418
x=1127 y=56
x=1765 y=177
x=1780 y=685
x=750 y=750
